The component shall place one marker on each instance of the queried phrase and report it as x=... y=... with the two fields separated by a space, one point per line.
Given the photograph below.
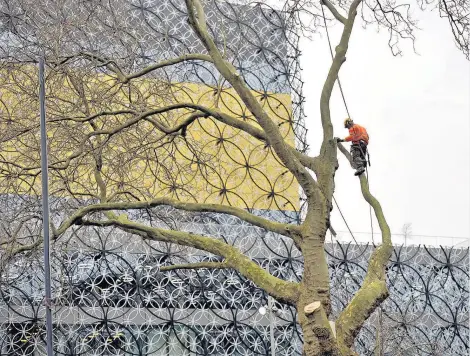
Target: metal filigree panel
x=209 y=161
x=110 y=297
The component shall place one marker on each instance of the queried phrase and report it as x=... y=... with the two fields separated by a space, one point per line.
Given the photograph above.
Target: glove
x=338 y=140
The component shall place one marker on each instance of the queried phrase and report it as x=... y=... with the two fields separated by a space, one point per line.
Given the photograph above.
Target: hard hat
x=347 y=122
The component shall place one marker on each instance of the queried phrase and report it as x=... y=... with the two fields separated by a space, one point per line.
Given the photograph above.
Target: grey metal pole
x=271 y=325
x=45 y=207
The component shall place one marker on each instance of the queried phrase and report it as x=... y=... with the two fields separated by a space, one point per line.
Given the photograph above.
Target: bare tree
x=406 y=231
x=120 y=131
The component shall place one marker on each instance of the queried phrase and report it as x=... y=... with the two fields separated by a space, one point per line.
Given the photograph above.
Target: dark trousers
x=358 y=153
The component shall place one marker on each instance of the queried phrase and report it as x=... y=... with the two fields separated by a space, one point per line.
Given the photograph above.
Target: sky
x=416 y=109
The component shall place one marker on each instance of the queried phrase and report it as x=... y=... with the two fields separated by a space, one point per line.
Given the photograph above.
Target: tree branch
x=197 y=265
x=227 y=70
x=289 y=230
x=334 y=11
x=103 y=62
x=374 y=288
x=278 y=288
x=84 y=119
x=305 y=160
x=217 y=114
x=327 y=160
x=123 y=78
x=25 y=248
x=347 y=155
x=169 y=62
x=338 y=60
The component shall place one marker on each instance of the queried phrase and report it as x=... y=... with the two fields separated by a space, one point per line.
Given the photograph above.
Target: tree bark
x=318 y=335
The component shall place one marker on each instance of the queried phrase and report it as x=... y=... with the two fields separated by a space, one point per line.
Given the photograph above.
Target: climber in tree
x=360 y=139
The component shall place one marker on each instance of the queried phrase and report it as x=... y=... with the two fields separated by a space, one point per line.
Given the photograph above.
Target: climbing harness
x=365 y=155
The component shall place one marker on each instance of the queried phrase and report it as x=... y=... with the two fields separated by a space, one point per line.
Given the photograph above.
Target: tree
x=101 y=99
x=406 y=231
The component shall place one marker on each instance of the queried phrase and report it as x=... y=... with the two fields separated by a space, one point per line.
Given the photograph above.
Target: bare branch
x=85 y=119
x=228 y=71
x=347 y=155
x=334 y=11
x=25 y=248
x=338 y=60
x=328 y=149
x=283 y=229
x=305 y=160
x=123 y=78
x=197 y=265
x=459 y=21
x=103 y=62
x=173 y=61
x=278 y=288
x=374 y=288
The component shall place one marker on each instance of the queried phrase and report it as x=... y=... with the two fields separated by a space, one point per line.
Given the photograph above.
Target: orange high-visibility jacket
x=357 y=133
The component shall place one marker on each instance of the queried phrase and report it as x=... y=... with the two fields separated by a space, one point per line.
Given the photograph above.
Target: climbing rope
x=370 y=208
x=349 y=115
x=350 y=231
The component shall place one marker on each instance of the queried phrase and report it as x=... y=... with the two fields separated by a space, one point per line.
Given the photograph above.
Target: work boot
x=359 y=171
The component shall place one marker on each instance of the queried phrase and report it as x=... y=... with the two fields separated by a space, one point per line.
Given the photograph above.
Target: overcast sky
x=416 y=109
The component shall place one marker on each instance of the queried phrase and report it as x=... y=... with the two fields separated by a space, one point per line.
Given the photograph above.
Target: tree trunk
x=315 y=287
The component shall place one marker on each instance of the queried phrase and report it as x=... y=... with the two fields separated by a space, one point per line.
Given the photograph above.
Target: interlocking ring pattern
x=213 y=162
x=135 y=33
x=110 y=297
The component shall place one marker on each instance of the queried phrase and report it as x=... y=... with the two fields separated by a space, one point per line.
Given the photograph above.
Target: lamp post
x=270 y=308
x=45 y=207
x=271 y=325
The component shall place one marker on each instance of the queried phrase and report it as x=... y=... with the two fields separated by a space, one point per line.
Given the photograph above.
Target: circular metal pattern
x=111 y=298
x=212 y=162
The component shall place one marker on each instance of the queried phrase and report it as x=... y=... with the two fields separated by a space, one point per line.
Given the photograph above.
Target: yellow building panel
x=212 y=163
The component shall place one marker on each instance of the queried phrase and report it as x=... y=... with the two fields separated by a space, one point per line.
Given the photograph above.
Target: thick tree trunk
x=315 y=287
x=317 y=333
x=318 y=336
